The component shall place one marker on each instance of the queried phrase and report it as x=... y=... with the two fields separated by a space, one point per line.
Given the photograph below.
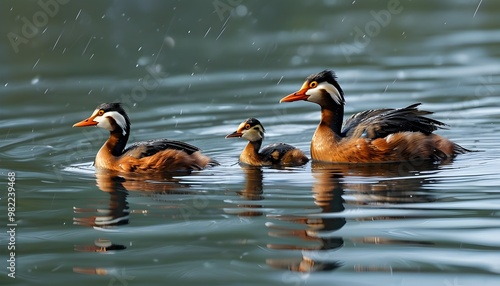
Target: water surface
x=185 y=73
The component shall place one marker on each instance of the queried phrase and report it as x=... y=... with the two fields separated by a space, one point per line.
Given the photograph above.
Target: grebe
x=372 y=136
x=161 y=155
x=274 y=154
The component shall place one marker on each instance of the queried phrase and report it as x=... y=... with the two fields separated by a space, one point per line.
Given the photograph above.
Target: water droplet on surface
x=143 y=61
x=241 y=10
x=296 y=60
x=401 y=75
x=169 y=42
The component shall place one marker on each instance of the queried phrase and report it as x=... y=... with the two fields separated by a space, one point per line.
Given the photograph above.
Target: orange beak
x=298 y=95
x=86 y=122
x=234 y=134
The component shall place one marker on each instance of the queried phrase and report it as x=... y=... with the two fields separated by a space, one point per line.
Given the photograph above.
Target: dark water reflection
x=317 y=232
x=117 y=213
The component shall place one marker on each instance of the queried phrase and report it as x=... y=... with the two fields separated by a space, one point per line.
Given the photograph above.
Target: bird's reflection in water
x=252 y=193
x=117 y=212
x=335 y=188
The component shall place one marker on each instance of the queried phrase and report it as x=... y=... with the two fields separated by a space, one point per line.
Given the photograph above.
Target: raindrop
x=103 y=16
x=210 y=28
x=78 y=15
x=241 y=10
x=296 y=60
x=281 y=78
x=35 y=80
x=35 y=64
x=117 y=45
x=6 y=84
x=143 y=61
x=139 y=49
x=169 y=42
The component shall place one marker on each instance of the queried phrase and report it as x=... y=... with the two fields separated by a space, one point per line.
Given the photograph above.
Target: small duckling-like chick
x=273 y=154
x=161 y=155
x=372 y=136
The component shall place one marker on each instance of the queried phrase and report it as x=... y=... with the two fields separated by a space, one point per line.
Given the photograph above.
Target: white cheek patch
x=117 y=117
x=332 y=90
x=252 y=135
x=103 y=123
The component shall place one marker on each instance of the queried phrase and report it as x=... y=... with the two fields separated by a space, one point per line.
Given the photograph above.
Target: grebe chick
x=273 y=154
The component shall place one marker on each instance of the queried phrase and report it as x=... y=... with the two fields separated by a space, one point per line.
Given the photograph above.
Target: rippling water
x=193 y=73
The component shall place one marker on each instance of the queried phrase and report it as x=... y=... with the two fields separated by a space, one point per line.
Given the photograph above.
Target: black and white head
x=250 y=129
x=109 y=116
x=321 y=88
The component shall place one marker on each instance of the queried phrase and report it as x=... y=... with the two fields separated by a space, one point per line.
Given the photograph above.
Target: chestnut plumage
x=373 y=136
x=161 y=155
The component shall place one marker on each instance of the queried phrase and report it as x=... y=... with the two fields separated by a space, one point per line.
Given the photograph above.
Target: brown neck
x=327 y=135
x=116 y=143
x=250 y=154
x=332 y=117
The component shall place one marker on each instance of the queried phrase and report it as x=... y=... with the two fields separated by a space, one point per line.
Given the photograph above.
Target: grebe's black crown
x=328 y=76
x=253 y=122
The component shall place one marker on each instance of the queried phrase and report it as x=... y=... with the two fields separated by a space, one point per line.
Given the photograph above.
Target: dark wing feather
x=274 y=152
x=151 y=147
x=380 y=123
